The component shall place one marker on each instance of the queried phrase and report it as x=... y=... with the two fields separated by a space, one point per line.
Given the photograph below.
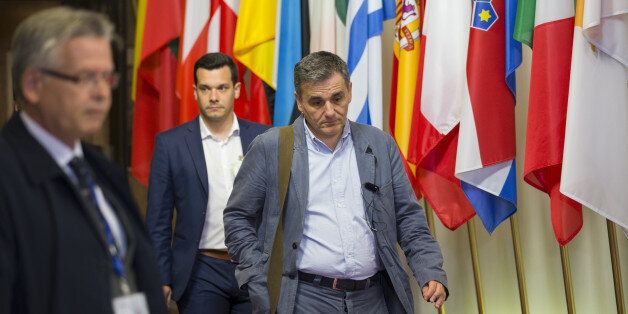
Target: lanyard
x=88 y=186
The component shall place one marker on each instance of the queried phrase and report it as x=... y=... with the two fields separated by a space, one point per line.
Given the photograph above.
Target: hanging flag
x=154 y=70
x=209 y=26
x=524 y=24
x=287 y=54
x=547 y=110
x=254 y=108
x=406 y=48
x=595 y=167
x=486 y=145
x=325 y=26
x=365 y=20
x=254 y=42
x=441 y=89
x=193 y=45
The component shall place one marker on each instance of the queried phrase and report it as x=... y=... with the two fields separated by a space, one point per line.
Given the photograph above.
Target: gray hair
x=37 y=38
x=317 y=67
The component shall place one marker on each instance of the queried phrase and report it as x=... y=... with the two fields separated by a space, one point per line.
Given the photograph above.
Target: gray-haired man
x=70 y=235
x=348 y=204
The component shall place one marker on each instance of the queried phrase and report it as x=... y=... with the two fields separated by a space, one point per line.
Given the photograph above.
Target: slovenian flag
x=486 y=144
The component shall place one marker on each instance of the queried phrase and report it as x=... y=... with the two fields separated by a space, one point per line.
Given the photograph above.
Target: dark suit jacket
x=178 y=179
x=52 y=258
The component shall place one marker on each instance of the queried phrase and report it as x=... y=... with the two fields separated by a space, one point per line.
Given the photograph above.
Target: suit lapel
x=41 y=168
x=195 y=147
x=245 y=135
x=120 y=211
x=39 y=165
x=365 y=156
x=93 y=216
x=300 y=172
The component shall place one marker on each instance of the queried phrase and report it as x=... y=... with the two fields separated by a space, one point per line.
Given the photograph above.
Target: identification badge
x=131 y=304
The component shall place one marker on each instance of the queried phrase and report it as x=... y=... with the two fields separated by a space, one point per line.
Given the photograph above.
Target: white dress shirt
x=62 y=155
x=222 y=159
x=337 y=241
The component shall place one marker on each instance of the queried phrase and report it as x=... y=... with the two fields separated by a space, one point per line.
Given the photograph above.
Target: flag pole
x=619 y=291
x=429 y=215
x=473 y=246
x=521 y=279
x=564 y=258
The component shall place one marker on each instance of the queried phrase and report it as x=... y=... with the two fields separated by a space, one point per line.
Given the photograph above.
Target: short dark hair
x=317 y=67
x=213 y=61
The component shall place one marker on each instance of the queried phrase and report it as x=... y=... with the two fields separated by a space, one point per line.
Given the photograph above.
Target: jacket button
x=291 y=276
x=294 y=245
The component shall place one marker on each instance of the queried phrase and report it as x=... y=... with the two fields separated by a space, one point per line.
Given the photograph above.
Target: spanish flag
x=406 y=48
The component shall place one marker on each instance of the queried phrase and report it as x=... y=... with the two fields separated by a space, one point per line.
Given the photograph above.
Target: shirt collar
x=316 y=142
x=61 y=153
x=206 y=133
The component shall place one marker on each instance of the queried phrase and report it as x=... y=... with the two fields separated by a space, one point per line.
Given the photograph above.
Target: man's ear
x=31 y=85
x=298 y=99
x=195 y=93
x=236 y=90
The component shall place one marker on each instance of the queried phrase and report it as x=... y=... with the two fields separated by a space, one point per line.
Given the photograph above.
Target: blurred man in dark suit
x=70 y=234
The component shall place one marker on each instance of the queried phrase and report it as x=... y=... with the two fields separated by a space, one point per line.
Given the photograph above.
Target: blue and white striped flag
x=365 y=20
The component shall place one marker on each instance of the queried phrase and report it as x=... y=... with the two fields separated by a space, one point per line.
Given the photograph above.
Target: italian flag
x=553 y=22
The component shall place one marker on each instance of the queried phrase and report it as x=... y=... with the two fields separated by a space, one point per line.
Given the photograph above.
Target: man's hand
x=167 y=295
x=434 y=292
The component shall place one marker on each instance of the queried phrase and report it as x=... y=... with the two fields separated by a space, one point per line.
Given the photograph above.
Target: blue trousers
x=312 y=298
x=213 y=289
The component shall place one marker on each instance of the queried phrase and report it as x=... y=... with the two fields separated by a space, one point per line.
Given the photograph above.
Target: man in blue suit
x=192 y=170
x=348 y=205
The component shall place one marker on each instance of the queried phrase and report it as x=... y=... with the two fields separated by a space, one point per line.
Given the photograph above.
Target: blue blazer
x=178 y=179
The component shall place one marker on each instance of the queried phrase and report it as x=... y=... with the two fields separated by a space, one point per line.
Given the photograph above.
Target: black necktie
x=87 y=188
x=86 y=183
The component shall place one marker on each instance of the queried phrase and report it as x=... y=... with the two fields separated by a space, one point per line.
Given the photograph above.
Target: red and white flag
x=547 y=112
x=442 y=88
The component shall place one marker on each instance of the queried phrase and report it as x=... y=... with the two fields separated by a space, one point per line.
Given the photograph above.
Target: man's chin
x=215 y=117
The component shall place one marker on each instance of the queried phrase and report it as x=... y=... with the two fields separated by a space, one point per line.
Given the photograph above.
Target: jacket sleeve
x=242 y=218
x=160 y=208
x=422 y=251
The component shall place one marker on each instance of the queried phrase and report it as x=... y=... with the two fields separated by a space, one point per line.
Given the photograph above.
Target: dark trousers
x=312 y=298
x=213 y=289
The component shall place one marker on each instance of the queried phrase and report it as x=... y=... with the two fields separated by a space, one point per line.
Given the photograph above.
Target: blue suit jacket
x=251 y=217
x=178 y=179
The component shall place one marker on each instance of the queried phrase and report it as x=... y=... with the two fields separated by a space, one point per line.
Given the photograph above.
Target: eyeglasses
x=86 y=79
